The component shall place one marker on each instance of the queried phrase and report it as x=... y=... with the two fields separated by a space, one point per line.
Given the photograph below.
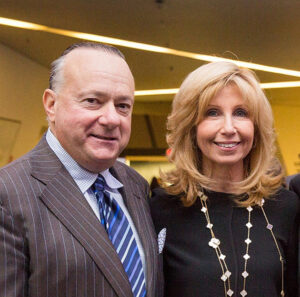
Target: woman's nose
x=228 y=125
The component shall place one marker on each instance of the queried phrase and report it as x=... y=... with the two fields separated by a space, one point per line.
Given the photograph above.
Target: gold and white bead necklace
x=215 y=244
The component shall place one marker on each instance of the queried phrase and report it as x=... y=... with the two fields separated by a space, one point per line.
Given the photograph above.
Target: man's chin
x=97 y=166
x=101 y=161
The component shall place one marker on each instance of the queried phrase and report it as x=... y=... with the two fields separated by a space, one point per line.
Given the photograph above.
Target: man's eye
x=91 y=100
x=124 y=107
x=240 y=112
x=212 y=113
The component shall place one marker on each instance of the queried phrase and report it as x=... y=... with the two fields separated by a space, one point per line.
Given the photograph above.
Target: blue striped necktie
x=120 y=233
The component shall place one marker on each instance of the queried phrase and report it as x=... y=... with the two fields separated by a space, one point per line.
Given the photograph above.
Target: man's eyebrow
x=128 y=98
x=105 y=94
x=92 y=93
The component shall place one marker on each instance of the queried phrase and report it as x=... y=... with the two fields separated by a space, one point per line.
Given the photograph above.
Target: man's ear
x=49 y=101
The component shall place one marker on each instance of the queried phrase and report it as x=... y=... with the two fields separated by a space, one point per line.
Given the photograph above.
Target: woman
x=231 y=230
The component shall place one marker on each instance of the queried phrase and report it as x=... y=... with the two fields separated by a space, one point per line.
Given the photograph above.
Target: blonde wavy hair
x=263 y=174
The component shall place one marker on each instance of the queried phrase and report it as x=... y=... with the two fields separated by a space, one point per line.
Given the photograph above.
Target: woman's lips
x=227 y=144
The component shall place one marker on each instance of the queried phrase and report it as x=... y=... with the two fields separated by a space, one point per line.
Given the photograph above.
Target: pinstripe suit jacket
x=51 y=242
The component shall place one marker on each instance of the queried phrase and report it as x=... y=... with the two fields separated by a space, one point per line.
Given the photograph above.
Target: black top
x=191 y=267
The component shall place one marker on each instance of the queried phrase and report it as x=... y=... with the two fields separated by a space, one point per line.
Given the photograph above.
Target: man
x=294 y=184
x=57 y=214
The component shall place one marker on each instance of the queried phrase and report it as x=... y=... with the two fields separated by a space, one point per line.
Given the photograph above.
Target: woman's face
x=226 y=133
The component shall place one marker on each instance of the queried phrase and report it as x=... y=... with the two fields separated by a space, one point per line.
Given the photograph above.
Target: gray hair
x=56 y=77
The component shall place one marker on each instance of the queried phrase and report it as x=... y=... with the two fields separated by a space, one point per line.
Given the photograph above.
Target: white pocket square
x=161 y=238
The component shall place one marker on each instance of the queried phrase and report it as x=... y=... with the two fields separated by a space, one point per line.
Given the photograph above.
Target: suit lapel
x=137 y=206
x=64 y=199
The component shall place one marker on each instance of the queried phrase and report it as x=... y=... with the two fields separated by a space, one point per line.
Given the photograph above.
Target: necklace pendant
x=245 y=274
x=246 y=256
x=204 y=209
x=222 y=257
x=243 y=293
x=214 y=243
x=249 y=225
x=224 y=278
x=229 y=292
x=209 y=225
x=248 y=240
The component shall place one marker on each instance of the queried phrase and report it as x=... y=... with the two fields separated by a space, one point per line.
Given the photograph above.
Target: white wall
x=22 y=83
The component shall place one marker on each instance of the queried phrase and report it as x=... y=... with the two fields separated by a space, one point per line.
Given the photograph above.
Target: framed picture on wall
x=8 y=133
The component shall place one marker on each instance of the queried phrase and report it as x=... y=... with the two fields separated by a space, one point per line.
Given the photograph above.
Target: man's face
x=90 y=114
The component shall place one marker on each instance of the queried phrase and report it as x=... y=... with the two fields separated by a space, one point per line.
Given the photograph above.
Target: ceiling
x=259 y=31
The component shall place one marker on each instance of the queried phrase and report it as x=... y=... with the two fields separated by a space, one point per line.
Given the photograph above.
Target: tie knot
x=100 y=183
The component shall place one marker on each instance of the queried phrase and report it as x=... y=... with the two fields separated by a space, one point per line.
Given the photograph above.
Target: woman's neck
x=224 y=177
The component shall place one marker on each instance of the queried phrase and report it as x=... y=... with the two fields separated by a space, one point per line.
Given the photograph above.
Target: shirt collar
x=82 y=177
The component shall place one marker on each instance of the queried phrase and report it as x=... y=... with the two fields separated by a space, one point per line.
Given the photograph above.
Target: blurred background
x=264 y=32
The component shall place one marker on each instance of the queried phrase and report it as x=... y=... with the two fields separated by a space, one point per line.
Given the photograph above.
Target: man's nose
x=109 y=116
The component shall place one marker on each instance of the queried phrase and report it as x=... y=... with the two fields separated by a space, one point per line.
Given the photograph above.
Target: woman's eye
x=240 y=112
x=212 y=113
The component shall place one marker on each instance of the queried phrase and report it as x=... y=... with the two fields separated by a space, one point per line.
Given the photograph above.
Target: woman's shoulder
x=160 y=195
x=286 y=196
x=161 y=200
x=284 y=200
x=165 y=209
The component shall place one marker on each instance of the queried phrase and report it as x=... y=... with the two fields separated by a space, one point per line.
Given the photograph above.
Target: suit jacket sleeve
x=294 y=185
x=13 y=259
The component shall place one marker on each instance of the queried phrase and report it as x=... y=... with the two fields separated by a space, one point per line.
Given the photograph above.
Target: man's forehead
x=88 y=51
x=85 y=67
x=91 y=55
x=96 y=60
